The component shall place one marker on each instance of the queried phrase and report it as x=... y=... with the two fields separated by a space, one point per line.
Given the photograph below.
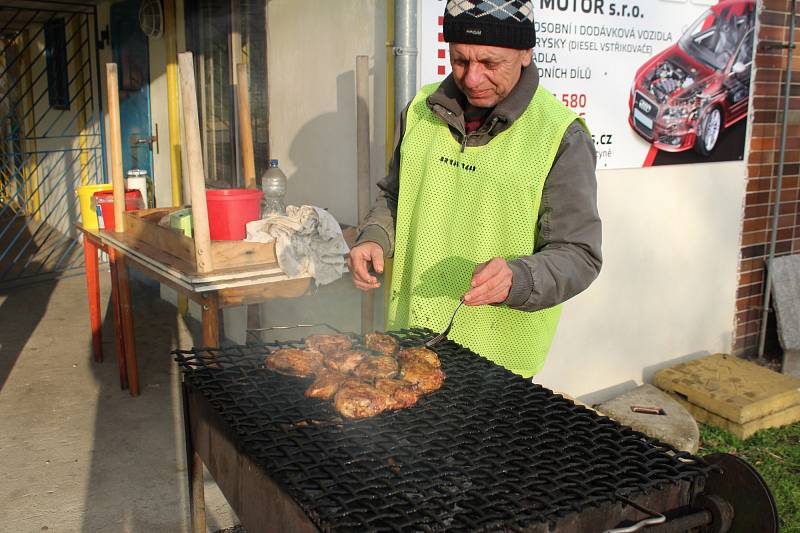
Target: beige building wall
x=312 y=100
x=671 y=234
x=667 y=289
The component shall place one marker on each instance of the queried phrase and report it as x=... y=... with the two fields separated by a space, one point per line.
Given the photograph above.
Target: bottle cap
x=273 y=162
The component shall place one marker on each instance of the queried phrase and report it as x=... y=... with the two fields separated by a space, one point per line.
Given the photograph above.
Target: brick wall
x=762 y=169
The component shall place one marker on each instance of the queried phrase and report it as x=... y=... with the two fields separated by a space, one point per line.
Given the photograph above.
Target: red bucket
x=105 y=206
x=229 y=211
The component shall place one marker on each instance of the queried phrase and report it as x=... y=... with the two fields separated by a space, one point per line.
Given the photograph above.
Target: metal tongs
x=443 y=335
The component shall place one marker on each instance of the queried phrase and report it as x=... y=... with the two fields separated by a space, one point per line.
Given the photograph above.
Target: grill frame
x=217 y=435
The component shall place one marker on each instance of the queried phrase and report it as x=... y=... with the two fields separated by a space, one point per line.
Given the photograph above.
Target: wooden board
x=730 y=388
x=143 y=226
x=252 y=294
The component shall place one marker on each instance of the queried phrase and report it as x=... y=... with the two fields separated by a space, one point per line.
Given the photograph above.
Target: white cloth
x=308 y=241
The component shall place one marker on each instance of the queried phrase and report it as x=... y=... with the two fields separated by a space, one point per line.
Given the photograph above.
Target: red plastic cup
x=229 y=211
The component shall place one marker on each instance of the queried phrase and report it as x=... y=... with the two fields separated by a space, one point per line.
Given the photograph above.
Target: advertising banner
x=657 y=81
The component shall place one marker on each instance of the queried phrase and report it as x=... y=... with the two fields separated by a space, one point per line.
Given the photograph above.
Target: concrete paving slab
x=670 y=423
x=735 y=389
x=732 y=393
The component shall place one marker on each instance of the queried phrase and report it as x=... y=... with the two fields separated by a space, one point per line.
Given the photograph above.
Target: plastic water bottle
x=273 y=183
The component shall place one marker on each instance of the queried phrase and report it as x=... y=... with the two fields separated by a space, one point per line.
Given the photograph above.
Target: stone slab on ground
x=732 y=393
x=676 y=426
x=785 y=289
x=743 y=431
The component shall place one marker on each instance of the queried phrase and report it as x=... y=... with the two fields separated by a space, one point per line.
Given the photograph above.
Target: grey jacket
x=567 y=257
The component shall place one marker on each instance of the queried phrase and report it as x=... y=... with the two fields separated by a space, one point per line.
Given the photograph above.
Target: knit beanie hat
x=506 y=23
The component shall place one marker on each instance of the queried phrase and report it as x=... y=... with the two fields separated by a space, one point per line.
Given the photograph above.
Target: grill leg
x=198 y=496
x=194 y=471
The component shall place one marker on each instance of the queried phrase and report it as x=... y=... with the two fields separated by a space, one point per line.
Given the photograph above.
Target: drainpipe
x=779 y=185
x=405 y=53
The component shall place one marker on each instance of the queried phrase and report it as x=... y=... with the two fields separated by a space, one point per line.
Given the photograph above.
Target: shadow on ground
x=143 y=436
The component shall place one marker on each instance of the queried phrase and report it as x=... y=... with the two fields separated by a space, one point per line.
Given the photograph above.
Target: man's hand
x=491 y=283
x=359 y=260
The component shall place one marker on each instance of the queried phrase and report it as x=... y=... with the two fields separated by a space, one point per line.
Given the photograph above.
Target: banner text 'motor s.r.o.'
x=583 y=6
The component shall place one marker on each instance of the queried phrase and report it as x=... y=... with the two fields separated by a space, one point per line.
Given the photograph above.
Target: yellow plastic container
x=88 y=212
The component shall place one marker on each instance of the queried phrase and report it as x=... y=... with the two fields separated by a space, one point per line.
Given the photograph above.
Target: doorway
x=130 y=51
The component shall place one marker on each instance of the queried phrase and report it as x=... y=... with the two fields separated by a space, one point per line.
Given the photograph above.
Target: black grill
x=487 y=451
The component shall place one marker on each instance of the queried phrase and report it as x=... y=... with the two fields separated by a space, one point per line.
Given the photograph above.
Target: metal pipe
x=787 y=90
x=405 y=52
x=363 y=160
x=173 y=102
x=101 y=119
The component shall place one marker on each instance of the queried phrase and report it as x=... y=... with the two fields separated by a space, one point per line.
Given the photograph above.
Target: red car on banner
x=688 y=94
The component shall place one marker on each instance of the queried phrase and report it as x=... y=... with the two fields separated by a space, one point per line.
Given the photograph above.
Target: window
x=55 y=53
x=221 y=34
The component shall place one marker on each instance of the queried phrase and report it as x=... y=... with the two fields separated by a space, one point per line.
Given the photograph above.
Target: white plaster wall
x=312 y=55
x=671 y=234
x=668 y=285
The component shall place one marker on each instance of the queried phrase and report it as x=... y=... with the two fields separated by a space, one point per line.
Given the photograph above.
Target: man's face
x=486 y=74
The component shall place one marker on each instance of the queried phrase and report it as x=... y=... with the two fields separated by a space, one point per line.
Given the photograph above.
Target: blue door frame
x=130 y=51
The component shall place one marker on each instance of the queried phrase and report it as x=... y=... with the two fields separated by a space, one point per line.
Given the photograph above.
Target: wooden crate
x=225 y=255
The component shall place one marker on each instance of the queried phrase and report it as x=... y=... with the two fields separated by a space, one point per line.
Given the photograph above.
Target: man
x=491 y=195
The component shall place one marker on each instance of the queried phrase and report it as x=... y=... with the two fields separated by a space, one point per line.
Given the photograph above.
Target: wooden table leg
x=119 y=336
x=210 y=319
x=254 y=322
x=93 y=290
x=126 y=311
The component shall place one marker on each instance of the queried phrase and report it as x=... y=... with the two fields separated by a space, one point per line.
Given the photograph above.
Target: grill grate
x=489 y=450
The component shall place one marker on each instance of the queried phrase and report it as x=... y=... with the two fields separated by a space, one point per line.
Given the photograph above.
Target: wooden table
x=212 y=291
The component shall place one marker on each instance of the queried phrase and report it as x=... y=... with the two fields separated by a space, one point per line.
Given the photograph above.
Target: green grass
x=775 y=453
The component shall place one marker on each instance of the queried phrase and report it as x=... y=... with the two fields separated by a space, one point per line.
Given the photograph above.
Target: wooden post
x=246 y=127
x=115 y=138
x=197 y=180
x=363 y=181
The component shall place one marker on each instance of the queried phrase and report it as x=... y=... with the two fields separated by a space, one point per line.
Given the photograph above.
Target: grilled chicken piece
x=422 y=376
x=294 y=361
x=399 y=394
x=326 y=384
x=382 y=343
x=377 y=366
x=419 y=353
x=356 y=399
x=345 y=362
x=329 y=344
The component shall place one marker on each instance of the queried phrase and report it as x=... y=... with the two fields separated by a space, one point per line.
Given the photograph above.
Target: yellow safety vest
x=459 y=209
